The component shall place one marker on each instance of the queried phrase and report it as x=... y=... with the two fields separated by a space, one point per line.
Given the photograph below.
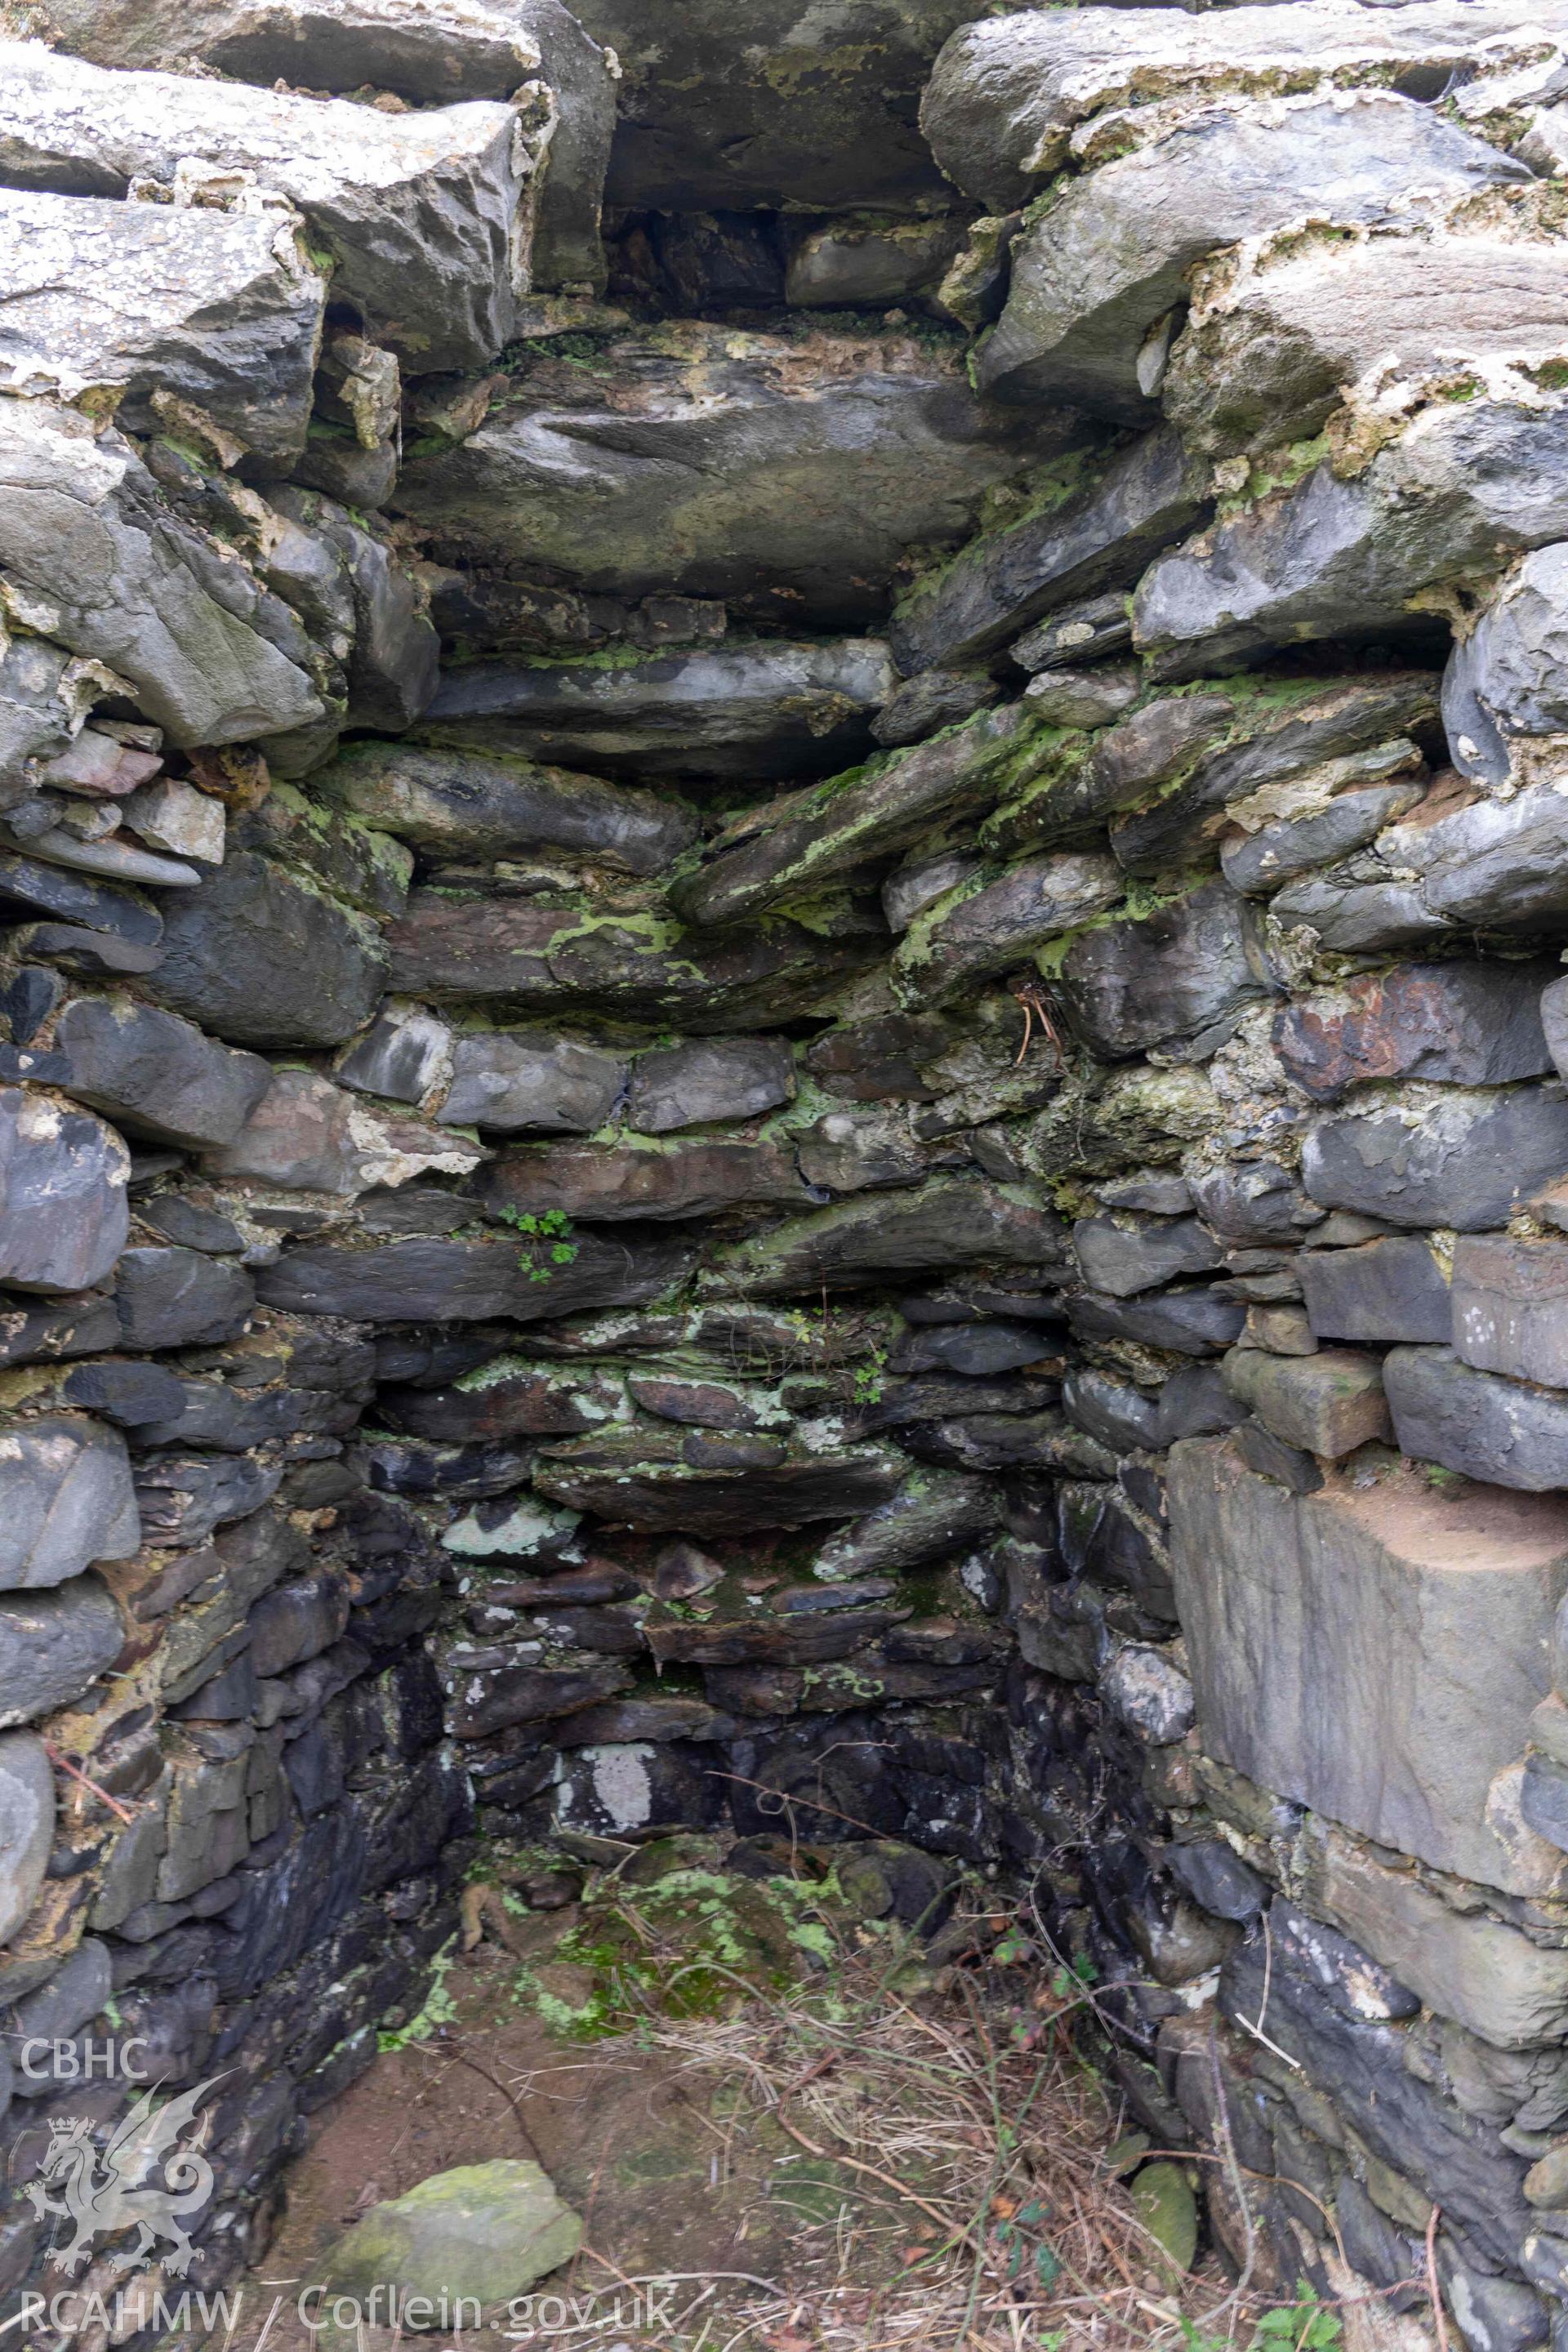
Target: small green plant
x=548 y=1236
x=1304 y=2325
x=869 y=1376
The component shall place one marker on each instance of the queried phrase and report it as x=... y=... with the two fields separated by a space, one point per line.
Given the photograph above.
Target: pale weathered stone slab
x=220 y=310
x=1375 y=1652
x=423 y=213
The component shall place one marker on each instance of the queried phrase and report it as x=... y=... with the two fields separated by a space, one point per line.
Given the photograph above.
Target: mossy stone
x=1164 y=2200
x=486 y=2231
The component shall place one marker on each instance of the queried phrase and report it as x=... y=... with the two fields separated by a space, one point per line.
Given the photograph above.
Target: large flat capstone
x=1373 y=1652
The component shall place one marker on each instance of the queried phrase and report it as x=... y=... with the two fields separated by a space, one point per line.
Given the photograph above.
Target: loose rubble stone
x=123 y=298
x=1468 y=1024
x=484 y=2231
x=1395 y=1288
x=63 y=1209
x=1327 y=1403
x=1455 y=1586
x=53 y=1645
x=180 y=1298
x=118 y=577
x=66 y=1494
x=1188 y=966
x=423 y=213
x=1086 y=540
x=1465 y=1159
x=463 y=800
x=261 y=957
x=811 y=471
x=156 y=1074
x=27 y=1779
x=771 y=709
x=1498 y=1430
x=1107 y=261
x=1469 y=480
x=514 y=1080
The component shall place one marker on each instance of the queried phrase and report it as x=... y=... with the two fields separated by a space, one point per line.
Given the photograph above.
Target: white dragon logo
x=102 y=2195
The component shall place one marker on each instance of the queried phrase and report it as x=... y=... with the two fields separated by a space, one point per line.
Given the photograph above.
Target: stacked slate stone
x=784 y=872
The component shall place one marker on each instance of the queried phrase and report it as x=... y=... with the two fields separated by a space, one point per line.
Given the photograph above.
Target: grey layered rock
x=218 y=311
x=469 y=1282
x=722 y=1079
x=1495 y=1429
x=423 y=213
x=465 y=801
x=1469 y=481
x=1465 y=1966
x=1464 y=1024
x=1273 y=340
x=53 y=1645
x=1392 y=1288
x=543 y=959
x=1192 y=963
x=1286 y=751
x=934 y=1513
x=180 y=1298
x=1093 y=535
x=991 y=922
x=1503 y=684
x=156 y=1074
x=513 y=1080
x=1124 y=1258
x=708 y=463
x=65 y=1500
x=1327 y=1403
x=820 y=115
x=946 y=1223
x=1511 y=1307
x=417 y=51
x=1149 y=1694
x=259 y=956
x=1193 y=1322
x=64 y=1213
x=1255 y=1201
x=1406 y=1629
x=117 y=576
x=28 y=1811
x=933 y=700
x=1007 y=93
x=307 y=1134
x=796 y=846
x=1257 y=863
x=861 y=265
x=1105 y=263
x=1460 y=1158
x=771 y=709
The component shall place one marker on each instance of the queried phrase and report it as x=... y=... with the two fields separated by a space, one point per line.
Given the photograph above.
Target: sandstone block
x=1391 y=1288
x=1475 y=1422
x=1327 y=1403
x=1464 y=1160
x=1375 y=1652
x=1511 y=1307
x=65 y=1500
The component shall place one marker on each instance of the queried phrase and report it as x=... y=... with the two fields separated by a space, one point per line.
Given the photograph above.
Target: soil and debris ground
x=828 y=2132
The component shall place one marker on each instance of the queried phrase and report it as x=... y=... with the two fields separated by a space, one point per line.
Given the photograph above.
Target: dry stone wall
x=784 y=868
